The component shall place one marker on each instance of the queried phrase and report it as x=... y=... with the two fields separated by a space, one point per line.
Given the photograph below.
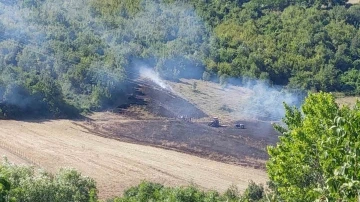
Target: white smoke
x=266 y=102
x=150 y=74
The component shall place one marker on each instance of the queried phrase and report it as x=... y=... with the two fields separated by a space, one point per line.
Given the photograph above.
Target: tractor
x=241 y=126
x=215 y=122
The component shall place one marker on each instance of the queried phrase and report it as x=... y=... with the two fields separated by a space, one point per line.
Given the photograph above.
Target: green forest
x=60 y=58
x=317 y=158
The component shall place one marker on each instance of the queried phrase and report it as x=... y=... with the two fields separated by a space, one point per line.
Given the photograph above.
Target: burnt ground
x=159 y=102
x=246 y=147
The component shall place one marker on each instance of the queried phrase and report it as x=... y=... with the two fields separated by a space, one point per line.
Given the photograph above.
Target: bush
x=226 y=108
x=148 y=191
x=28 y=185
x=254 y=192
x=194 y=86
x=206 y=76
x=223 y=80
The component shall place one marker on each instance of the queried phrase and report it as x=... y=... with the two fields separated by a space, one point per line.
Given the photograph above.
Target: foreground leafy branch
x=318 y=156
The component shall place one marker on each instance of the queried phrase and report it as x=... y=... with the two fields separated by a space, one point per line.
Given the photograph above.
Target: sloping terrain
x=102 y=145
x=168 y=130
x=210 y=97
x=256 y=102
x=158 y=102
x=228 y=144
x=113 y=164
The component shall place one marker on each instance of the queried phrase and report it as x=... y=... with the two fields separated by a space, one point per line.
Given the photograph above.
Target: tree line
x=61 y=58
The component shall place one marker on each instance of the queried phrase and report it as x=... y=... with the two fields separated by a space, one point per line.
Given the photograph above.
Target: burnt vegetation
x=61 y=58
x=58 y=59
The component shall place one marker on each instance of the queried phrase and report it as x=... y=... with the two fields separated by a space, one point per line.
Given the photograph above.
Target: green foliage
x=75 y=56
x=232 y=193
x=254 y=192
x=306 y=48
x=147 y=191
x=317 y=157
x=20 y=183
x=4 y=188
x=281 y=4
x=351 y=81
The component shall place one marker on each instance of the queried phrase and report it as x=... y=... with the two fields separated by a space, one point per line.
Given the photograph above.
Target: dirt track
x=114 y=165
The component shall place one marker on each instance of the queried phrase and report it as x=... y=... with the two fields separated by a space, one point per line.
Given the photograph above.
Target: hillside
x=59 y=59
x=114 y=147
x=256 y=101
x=113 y=164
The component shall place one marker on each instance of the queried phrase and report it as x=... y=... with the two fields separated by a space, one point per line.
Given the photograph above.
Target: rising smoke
x=266 y=101
x=148 y=73
x=170 y=35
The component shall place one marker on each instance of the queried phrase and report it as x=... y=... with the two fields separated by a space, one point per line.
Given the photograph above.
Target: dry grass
x=347 y=101
x=211 y=97
x=113 y=164
x=354 y=1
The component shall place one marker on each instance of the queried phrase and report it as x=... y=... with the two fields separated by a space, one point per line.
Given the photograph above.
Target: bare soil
x=246 y=147
x=115 y=165
x=227 y=143
x=146 y=139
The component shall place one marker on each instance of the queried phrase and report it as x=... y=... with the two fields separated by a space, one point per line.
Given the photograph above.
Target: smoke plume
x=148 y=73
x=57 y=37
x=266 y=101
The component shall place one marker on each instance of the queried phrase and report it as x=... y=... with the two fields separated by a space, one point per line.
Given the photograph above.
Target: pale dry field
x=354 y=1
x=347 y=101
x=113 y=164
x=211 y=97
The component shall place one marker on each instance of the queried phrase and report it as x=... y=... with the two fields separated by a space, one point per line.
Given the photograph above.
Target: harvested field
x=146 y=140
x=246 y=147
x=228 y=144
x=113 y=164
x=5 y=152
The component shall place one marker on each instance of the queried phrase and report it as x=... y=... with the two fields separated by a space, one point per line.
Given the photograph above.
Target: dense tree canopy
x=63 y=57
